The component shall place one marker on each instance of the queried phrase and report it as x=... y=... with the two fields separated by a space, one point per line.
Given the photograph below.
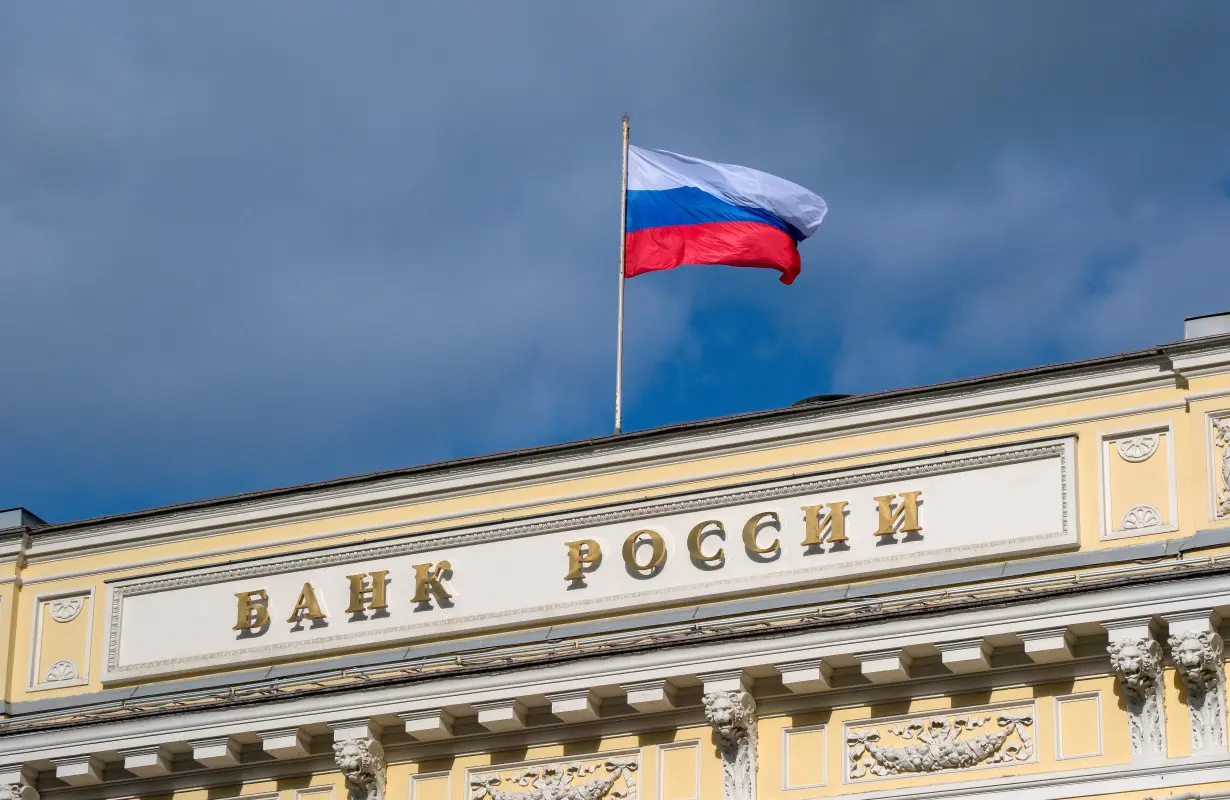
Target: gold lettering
x=253 y=610
x=360 y=589
x=581 y=554
x=657 y=552
x=698 y=532
x=427 y=582
x=830 y=528
x=306 y=606
x=900 y=518
x=751 y=528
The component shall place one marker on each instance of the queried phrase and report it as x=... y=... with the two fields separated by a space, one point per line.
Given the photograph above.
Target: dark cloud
x=247 y=246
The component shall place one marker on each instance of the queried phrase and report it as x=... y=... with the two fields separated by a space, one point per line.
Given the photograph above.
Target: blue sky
x=251 y=246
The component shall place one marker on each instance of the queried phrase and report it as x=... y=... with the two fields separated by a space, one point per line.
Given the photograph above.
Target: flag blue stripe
x=688 y=205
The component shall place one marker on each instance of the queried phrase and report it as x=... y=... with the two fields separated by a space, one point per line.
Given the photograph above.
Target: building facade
x=1006 y=587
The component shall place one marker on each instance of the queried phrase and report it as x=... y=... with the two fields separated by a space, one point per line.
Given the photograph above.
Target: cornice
x=701 y=646
x=611 y=454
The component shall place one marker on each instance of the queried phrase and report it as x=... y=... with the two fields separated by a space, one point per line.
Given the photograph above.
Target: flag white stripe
x=657 y=170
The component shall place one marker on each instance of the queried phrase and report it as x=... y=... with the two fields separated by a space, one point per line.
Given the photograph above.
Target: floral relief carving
x=1139 y=517
x=1221 y=438
x=612 y=780
x=1137 y=664
x=65 y=609
x=938 y=744
x=61 y=671
x=732 y=715
x=1197 y=656
x=1138 y=448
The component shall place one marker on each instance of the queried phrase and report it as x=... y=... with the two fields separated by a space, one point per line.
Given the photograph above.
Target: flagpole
x=623 y=256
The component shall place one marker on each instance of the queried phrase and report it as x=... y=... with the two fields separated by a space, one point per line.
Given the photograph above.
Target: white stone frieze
x=578 y=779
x=941 y=743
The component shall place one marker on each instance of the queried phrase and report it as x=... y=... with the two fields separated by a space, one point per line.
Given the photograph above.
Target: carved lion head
x=355 y=757
x=1197 y=655
x=1137 y=662
x=729 y=712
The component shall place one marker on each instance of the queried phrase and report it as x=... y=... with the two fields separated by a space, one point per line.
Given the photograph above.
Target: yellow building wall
x=11 y=647
x=1087 y=712
x=1087 y=419
x=1077 y=724
x=325 y=786
x=677 y=764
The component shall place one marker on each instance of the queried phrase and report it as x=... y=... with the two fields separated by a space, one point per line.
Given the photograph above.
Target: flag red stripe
x=735 y=244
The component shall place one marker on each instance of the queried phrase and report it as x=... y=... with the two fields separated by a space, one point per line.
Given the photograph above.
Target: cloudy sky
x=250 y=245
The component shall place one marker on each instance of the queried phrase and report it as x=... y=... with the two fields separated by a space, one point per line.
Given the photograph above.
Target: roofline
x=606 y=442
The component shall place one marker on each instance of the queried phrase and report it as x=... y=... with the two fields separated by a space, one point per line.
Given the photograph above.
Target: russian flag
x=682 y=210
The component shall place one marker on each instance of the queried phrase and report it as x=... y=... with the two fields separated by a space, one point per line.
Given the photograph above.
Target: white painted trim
x=314 y=793
x=34 y=678
x=824 y=755
x=1106 y=525
x=261 y=796
x=1096 y=696
x=431 y=776
x=1194 y=397
x=687 y=744
x=686 y=446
